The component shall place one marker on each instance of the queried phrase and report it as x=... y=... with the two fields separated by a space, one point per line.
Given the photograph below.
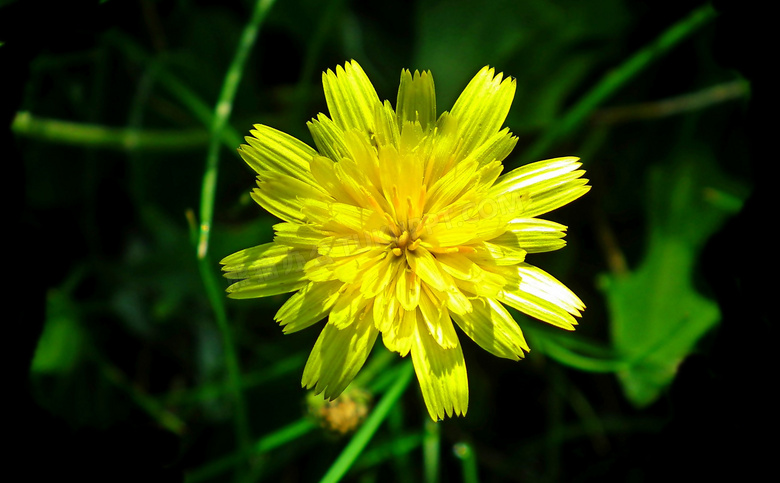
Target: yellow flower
x=401 y=223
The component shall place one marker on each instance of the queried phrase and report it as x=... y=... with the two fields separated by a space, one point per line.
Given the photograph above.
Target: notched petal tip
x=416 y=100
x=482 y=107
x=350 y=96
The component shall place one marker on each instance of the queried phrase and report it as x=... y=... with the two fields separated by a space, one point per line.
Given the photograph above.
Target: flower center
x=405 y=241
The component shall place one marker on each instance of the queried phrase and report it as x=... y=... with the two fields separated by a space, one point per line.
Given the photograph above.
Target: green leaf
x=657 y=316
x=59 y=347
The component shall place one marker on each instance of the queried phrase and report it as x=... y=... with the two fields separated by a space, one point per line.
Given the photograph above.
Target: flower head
x=401 y=223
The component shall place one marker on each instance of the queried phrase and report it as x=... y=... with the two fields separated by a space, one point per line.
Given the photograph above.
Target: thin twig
x=676 y=105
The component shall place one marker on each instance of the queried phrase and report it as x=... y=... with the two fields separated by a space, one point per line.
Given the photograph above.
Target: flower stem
x=361 y=438
x=431 y=445
x=263 y=445
x=186 y=96
x=221 y=114
x=219 y=121
x=97 y=136
x=465 y=453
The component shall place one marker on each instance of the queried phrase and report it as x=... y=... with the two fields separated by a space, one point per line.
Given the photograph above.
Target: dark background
x=101 y=243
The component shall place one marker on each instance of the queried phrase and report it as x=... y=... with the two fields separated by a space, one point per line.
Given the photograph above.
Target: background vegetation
x=128 y=363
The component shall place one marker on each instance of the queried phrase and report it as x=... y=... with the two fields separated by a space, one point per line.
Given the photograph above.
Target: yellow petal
x=490 y=253
x=480 y=281
x=491 y=326
x=261 y=256
x=437 y=319
x=378 y=277
x=324 y=171
x=349 y=306
x=340 y=217
x=400 y=334
x=548 y=185
x=465 y=224
x=299 y=235
x=450 y=186
x=495 y=148
x=266 y=284
x=427 y=268
x=351 y=97
x=536 y=281
x=457 y=301
x=338 y=355
x=443 y=151
x=386 y=125
x=539 y=308
x=272 y=150
x=416 y=98
x=407 y=289
x=268 y=269
x=345 y=268
x=482 y=107
x=284 y=196
x=386 y=309
x=307 y=306
x=533 y=235
x=328 y=137
x=442 y=375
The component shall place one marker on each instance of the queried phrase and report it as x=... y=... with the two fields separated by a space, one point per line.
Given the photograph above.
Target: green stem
x=219 y=121
x=401 y=462
x=431 y=445
x=465 y=453
x=221 y=114
x=361 y=438
x=380 y=359
x=617 y=78
x=267 y=443
x=401 y=445
x=216 y=298
x=187 y=97
x=149 y=404
x=97 y=136
x=587 y=363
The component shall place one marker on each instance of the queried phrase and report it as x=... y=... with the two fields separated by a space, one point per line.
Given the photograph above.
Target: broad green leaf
x=657 y=316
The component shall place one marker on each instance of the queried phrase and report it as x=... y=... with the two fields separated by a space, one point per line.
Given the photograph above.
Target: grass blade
x=361 y=438
x=617 y=78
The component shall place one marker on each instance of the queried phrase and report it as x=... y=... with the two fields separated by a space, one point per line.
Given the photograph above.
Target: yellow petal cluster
x=400 y=223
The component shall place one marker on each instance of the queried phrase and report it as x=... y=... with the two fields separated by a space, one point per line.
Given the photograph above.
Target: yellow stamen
x=372 y=201
x=396 y=201
x=420 y=226
x=393 y=226
x=403 y=239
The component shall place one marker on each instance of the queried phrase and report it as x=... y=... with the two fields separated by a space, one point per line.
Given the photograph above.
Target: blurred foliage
x=656 y=314
x=113 y=129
